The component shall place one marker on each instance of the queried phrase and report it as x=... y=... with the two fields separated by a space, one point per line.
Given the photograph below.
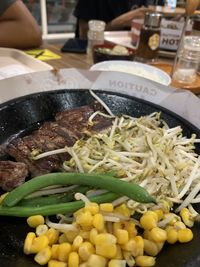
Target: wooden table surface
x=83 y=61
x=67 y=60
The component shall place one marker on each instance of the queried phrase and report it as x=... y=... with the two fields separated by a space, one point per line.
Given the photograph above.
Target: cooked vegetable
x=63 y=208
x=53 y=199
x=116 y=50
x=133 y=191
x=145 y=151
x=94 y=240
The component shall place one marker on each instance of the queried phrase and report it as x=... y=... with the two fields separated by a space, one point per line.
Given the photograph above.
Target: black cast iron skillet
x=26 y=113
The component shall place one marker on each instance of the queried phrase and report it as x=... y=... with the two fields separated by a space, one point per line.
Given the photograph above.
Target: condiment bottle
x=188 y=61
x=149 y=38
x=95 y=34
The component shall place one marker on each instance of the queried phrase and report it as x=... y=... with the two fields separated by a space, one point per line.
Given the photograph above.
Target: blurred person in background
x=118 y=14
x=18 y=28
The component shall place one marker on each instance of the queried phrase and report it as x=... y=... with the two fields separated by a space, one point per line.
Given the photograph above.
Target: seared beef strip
x=70 y=125
x=12 y=174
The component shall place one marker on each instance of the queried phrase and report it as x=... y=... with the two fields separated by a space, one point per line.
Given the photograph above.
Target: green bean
x=53 y=199
x=63 y=208
x=133 y=191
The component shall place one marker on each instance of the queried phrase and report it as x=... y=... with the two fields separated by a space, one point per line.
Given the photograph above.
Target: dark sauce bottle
x=149 y=38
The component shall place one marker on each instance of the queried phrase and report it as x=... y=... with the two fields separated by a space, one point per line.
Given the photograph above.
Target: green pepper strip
x=115 y=185
x=53 y=199
x=63 y=208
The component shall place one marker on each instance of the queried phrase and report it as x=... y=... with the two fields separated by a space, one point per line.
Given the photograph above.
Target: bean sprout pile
x=141 y=150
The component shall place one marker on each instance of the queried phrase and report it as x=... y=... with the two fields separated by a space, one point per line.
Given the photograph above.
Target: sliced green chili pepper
x=63 y=208
x=133 y=191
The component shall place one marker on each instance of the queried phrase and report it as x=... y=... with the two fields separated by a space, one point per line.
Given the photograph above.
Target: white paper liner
x=182 y=102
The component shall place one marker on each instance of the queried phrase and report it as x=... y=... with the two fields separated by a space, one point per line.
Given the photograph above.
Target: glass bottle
x=95 y=34
x=188 y=61
x=149 y=38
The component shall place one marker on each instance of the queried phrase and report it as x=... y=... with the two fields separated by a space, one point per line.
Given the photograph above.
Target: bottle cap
x=152 y=19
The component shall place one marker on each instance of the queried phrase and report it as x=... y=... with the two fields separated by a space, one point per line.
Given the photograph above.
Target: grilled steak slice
x=70 y=125
x=77 y=124
x=12 y=174
x=43 y=140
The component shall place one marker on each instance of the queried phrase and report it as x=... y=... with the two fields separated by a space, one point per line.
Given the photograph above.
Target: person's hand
x=138 y=13
x=125 y=20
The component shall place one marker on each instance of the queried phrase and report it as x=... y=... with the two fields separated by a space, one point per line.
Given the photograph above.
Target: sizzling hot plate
x=26 y=113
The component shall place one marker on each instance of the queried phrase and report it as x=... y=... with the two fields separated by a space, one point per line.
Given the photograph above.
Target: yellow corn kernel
x=106 y=207
x=153 y=213
x=85 y=250
x=130 y=245
x=78 y=240
x=185 y=235
x=116 y=226
x=54 y=251
x=123 y=210
x=105 y=238
x=85 y=219
x=150 y=247
x=107 y=251
x=39 y=243
x=70 y=235
x=131 y=228
x=146 y=234
x=84 y=264
x=41 y=229
x=63 y=251
x=93 y=234
x=187 y=217
x=139 y=246
x=117 y=263
x=106 y=245
x=179 y=225
x=98 y=222
x=145 y=261
x=129 y=258
x=159 y=213
x=28 y=242
x=122 y=236
x=96 y=260
x=73 y=259
x=148 y=221
x=43 y=256
x=158 y=235
x=172 y=236
x=160 y=245
x=35 y=220
x=3 y=196
x=78 y=212
x=52 y=235
x=92 y=207
x=53 y=263
x=119 y=255
x=62 y=239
